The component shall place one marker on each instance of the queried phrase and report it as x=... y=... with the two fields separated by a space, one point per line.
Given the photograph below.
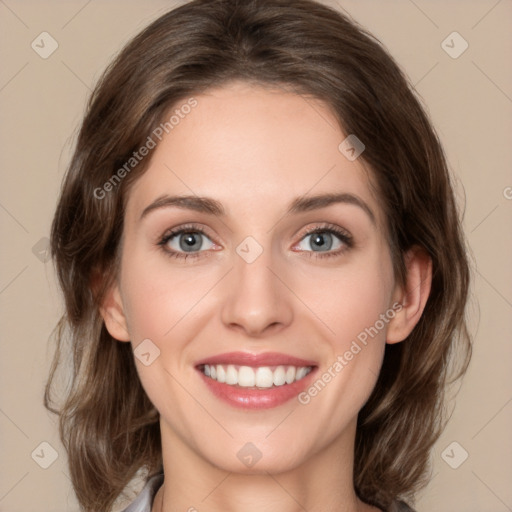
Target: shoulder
x=144 y=500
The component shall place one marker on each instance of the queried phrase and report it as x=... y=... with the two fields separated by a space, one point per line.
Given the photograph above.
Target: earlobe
x=412 y=296
x=112 y=311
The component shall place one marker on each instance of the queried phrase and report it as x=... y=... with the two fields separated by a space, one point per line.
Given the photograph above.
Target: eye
x=185 y=241
x=319 y=242
x=325 y=241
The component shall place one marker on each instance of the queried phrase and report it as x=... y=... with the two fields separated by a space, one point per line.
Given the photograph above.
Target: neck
x=323 y=482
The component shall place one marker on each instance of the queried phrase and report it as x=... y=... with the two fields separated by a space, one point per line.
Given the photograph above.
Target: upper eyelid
x=326 y=226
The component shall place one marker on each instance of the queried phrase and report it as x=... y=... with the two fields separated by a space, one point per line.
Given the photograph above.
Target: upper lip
x=248 y=359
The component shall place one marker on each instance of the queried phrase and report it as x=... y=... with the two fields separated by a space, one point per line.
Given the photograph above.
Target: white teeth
x=246 y=377
x=261 y=377
x=290 y=374
x=301 y=372
x=279 y=376
x=264 y=377
x=221 y=373
x=231 y=375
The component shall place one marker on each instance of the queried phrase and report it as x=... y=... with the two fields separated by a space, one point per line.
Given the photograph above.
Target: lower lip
x=264 y=398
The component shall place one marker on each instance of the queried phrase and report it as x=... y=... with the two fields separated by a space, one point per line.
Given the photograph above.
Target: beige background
x=470 y=102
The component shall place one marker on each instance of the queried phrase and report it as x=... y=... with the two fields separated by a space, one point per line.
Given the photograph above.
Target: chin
x=249 y=459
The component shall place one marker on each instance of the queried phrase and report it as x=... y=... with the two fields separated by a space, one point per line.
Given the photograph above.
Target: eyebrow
x=299 y=205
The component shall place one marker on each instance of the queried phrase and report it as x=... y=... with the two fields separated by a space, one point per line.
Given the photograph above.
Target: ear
x=112 y=311
x=412 y=296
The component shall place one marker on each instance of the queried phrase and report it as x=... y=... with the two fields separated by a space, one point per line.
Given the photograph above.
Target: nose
x=257 y=301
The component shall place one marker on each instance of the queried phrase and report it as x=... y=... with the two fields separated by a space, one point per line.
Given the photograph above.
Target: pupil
x=188 y=241
x=319 y=241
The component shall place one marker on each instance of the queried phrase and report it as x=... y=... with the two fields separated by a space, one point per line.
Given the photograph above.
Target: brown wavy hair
x=108 y=425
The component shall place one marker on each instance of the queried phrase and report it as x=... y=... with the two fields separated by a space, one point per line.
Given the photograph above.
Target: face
x=259 y=284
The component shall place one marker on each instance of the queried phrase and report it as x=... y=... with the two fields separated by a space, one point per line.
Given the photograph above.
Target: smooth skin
x=255 y=149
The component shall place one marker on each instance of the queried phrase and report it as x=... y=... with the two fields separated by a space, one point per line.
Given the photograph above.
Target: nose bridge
x=256 y=298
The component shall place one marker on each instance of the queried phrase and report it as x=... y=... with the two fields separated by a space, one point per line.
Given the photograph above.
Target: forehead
x=252 y=145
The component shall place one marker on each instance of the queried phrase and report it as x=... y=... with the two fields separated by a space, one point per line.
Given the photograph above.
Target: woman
x=263 y=269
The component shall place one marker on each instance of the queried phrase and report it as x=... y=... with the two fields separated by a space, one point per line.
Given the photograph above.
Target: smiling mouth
x=260 y=377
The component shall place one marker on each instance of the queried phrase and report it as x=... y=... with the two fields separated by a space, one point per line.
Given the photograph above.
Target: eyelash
x=342 y=235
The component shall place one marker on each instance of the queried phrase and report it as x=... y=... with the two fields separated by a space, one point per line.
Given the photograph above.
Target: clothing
x=400 y=506
x=144 y=500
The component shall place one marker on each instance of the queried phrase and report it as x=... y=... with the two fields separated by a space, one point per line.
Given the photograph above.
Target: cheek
x=350 y=299
x=161 y=305
x=351 y=303
x=160 y=295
